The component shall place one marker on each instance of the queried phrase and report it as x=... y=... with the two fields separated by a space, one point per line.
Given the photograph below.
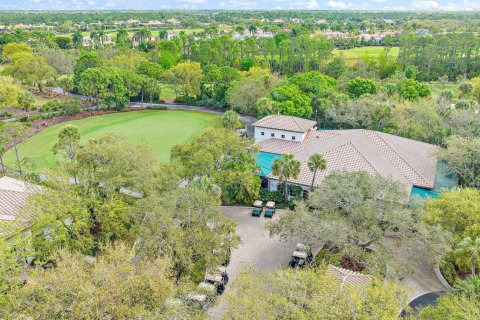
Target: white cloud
x=190 y=1
x=425 y=5
x=379 y=1
x=339 y=4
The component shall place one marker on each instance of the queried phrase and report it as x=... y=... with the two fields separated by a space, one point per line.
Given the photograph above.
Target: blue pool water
x=265 y=160
x=443 y=180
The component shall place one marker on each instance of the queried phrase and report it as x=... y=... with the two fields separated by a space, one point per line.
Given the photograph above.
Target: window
x=262 y=133
x=272 y=134
x=293 y=137
x=283 y=136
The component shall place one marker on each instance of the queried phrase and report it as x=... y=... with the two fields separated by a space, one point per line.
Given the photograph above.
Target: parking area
x=257 y=251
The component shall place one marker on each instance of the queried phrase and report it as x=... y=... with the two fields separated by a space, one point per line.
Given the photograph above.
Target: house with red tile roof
x=410 y=162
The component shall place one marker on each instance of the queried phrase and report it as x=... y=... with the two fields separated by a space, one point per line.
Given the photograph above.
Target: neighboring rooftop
x=346 y=277
x=286 y=123
x=411 y=162
x=13 y=196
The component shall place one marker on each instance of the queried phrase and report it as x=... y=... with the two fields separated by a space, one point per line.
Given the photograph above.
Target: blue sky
x=423 y=5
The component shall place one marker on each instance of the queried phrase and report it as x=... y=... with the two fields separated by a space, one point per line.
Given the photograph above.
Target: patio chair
x=269 y=209
x=257 y=210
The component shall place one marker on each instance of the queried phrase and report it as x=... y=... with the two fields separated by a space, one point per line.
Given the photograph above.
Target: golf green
x=160 y=130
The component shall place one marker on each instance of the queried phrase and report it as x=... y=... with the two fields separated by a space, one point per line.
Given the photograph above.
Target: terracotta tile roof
x=411 y=162
x=345 y=277
x=13 y=196
x=287 y=123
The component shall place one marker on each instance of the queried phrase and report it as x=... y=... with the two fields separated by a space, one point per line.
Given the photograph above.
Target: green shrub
x=447 y=268
x=465 y=104
x=47 y=116
x=53 y=105
x=187 y=100
x=157 y=107
x=275 y=196
x=24 y=119
x=197 y=272
x=72 y=107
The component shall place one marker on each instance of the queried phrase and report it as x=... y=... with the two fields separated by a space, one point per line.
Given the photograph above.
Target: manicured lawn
x=374 y=51
x=167 y=93
x=160 y=130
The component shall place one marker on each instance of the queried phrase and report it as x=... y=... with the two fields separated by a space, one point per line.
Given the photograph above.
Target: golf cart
x=269 y=209
x=218 y=279
x=302 y=257
x=257 y=208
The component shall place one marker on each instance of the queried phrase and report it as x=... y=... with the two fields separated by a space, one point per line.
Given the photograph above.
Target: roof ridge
x=370 y=132
x=295 y=120
x=359 y=152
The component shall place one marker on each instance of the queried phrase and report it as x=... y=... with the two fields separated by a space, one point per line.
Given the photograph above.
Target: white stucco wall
x=267 y=134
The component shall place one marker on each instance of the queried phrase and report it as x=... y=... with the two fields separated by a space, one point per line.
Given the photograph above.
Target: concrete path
x=422 y=279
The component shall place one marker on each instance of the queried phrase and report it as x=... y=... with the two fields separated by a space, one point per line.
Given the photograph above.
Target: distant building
x=336 y=35
x=173 y=21
x=172 y=35
x=422 y=32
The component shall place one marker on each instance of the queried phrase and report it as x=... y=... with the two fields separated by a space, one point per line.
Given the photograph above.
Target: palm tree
x=468 y=252
x=77 y=38
x=469 y=287
x=102 y=37
x=94 y=37
x=252 y=29
x=163 y=34
x=239 y=29
x=285 y=168
x=316 y=162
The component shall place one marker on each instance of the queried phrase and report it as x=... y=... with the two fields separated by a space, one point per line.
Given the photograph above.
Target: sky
x=419 y=5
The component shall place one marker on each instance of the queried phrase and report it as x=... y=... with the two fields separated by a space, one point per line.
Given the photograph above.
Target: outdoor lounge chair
x=269 y=209
x=257 y=210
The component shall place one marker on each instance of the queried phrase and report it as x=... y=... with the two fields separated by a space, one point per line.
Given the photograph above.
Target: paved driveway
x=257 y=251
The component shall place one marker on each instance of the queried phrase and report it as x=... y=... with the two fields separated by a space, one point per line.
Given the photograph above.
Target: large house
x=410 y=162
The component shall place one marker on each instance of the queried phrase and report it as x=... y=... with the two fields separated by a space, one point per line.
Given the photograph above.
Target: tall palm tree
x=77 y=38
x=94 y=37
x=102 y=37
x=316 y=162
x=252 y=29
x=285 y=168
x=468 y=252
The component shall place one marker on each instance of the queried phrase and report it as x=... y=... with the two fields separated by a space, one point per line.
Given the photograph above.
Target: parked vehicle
x=302 y=257
x=269 y=209
x=257 y=208
x=218 y=279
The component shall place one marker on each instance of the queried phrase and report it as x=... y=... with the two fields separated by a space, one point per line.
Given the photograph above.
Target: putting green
x=160 y=130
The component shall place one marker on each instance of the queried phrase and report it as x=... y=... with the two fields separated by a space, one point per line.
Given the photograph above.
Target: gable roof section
x=286 y=123
x=411 y=162
x=345 y=277
x=13 y=196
